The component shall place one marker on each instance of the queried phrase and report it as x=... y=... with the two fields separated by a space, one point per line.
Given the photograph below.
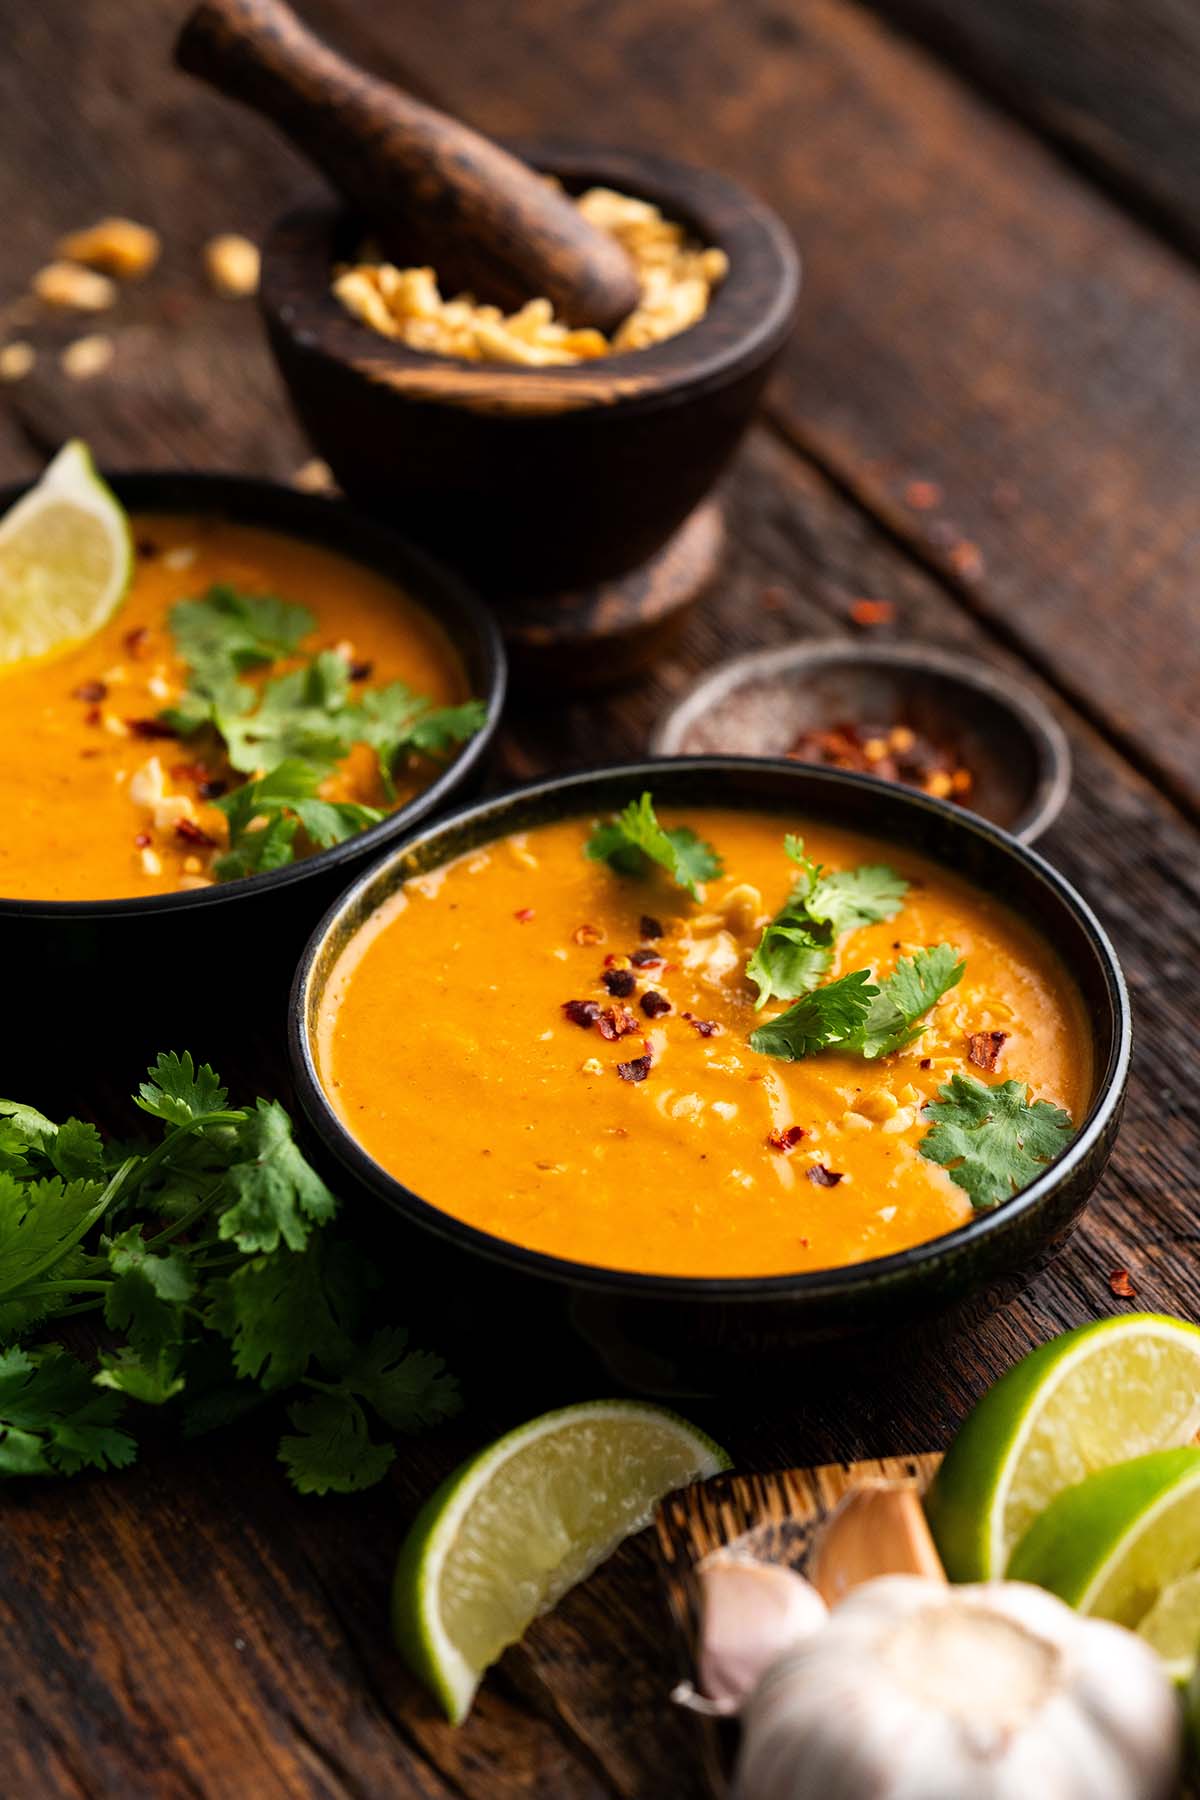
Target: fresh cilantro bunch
x=796 y=947
x=211 y=1260
x=292 y=731
x=993 y=1141
x=635 y=837
x=856 y=1015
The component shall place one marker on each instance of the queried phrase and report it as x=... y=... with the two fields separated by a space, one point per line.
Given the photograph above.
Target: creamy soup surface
x=72 y=725
x=445 y=1049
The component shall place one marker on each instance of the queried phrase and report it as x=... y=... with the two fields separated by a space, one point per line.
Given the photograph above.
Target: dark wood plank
x=974 y=316
x=1114 y=86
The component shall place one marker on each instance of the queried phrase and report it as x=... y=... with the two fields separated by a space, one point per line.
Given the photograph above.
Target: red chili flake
x=927 y=1062
x=151 y=728
x=210 y=789
x=786 y=1140
x=646 y=959
x=143 y=840
x=588 y=934
x=135 y=640
x=361 y=671
x=637 y=1070
x=649 y=926
x=1121 y=1285
x=92 y=716
x=146 y=548
x=583 y=1013
x=654 y=1004
x=820 y=1176
x=90 y=690
x=616 y=1022
x=619 y=982
x=984 y=1047
x=706 y=1027
x=873 y=612
x=923 y=496
x=192 y=833
x=189 y=771
x=966 y=559
x=523 y=914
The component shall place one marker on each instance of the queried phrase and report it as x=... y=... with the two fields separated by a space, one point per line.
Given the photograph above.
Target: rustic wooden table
x=988 y=417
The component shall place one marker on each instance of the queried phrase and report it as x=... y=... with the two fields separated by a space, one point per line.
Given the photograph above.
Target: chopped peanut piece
x=65 y=284
x=87 y=356
x=16 y=360
x=232 y=264
x=117 y=246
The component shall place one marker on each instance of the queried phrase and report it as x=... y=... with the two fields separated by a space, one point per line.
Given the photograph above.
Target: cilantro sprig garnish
x=796 y=947
x=860 y=1016
x=291 y=732
x=212 y=1260
x=993 y=1141
x=635 y=837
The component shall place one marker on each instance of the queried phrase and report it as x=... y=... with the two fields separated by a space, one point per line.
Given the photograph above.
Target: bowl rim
x=336 y=523
x=1033 y=717
x=839 y=1282
x=693 y=359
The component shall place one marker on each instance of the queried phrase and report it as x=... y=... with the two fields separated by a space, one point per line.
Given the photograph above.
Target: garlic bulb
x=919 y=1691
x=750 y=1613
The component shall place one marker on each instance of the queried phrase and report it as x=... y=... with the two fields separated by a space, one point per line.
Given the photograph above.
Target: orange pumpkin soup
x=559 y=1054
x=101 y=800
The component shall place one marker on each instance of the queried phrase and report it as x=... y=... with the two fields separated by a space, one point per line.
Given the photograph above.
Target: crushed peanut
x=232 y=264
x=65 y=284
x=119 y=247
x=16 y=360
x=677 y=279
x=87 y=356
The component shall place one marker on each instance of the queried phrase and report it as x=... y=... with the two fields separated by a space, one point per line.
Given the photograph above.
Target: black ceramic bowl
x=675 y=1334
x=115 y=979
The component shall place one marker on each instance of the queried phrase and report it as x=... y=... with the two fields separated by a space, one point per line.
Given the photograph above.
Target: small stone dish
x=992 y=725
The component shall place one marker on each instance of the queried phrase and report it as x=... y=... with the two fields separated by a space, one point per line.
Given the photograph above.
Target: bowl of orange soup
x=715 y=1058
x=154 y=865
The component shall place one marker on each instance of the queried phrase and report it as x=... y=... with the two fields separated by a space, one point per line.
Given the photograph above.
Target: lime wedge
x=1093 y=1397
x=1117 y=1544
x=511 y=1530
x=66 y=558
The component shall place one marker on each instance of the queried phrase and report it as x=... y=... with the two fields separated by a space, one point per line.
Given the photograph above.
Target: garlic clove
x=750 y=1613
x=878 y=1528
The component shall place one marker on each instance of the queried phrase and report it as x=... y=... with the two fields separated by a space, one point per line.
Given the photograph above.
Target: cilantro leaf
x=332 y=1451
x=151 y=1377
x=52 y=1420
x=73 y=1149
x=303 y=714
x=277 y=1196
x=991 y=1140
x=283 y=800
x=796 y=947
x=409 y=1389
x=635 y=836
x=898 y=1011
x=41 y=1221
x=828 y=1015
x=284 y=1311
x=146 y=1298
x=225 y=631
x=177 y=1091
x=394 y=721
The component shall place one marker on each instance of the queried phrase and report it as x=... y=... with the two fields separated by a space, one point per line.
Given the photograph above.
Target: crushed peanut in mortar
x=677 y=279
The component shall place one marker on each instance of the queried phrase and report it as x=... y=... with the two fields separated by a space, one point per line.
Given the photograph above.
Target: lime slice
x=1093 y=1397
x=66 y=557
x=1118 y=1542
x=1172 y=1626
x=510 y=1531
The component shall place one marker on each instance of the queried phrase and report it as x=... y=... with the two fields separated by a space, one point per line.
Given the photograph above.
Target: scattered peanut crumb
x=232 y=264
x=151 y=862
x=65 y=284
x=188 y=882
x=117 y=246
x=181 y=557
x=314 y=477
x=87 y=356
x=677 y=279
x=16 y=360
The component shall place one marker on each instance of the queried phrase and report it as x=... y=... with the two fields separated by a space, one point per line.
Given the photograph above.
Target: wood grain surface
x=979 y=321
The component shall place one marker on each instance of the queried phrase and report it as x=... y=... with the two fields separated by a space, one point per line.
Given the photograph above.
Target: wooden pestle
x=430 y=188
